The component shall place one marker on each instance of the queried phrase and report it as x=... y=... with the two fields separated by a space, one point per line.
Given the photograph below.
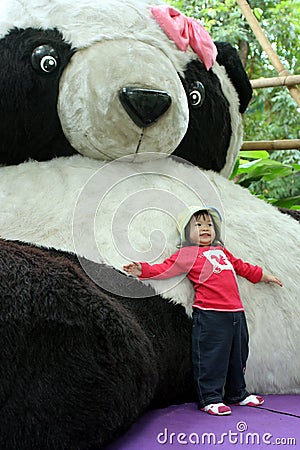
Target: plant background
x=272 y=113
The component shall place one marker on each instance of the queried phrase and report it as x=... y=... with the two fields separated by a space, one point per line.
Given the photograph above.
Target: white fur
x=117 y=208
x=94 y=121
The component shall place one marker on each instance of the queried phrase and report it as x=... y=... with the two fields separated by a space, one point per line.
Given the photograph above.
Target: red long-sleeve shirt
x=212 y=271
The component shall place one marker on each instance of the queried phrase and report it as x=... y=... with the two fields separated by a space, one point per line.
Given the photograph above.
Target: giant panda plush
x=95 y=97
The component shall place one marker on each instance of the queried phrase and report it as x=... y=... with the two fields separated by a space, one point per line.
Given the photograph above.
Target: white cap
x=186 y=215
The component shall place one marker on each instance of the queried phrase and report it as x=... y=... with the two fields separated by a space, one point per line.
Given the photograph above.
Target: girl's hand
x=133 y=268
x=266 y=278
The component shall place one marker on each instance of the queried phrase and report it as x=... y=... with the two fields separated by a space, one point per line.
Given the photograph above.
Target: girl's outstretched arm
x=267 y=278
x=134 y=268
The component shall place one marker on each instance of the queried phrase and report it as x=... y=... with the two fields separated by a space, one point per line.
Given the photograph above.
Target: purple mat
x=276 y=423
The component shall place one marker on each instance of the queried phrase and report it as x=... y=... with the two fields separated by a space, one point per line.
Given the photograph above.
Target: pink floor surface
x=276 y=424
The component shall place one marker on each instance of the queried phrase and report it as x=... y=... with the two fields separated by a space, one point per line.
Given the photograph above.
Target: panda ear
x=229 y=58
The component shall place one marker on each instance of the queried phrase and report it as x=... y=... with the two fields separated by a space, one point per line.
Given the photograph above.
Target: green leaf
x=265 y=167
x=296 y=167
x=248 y=165
x=235 y=169
x=258 y=13
x=290 y=202
x=262 y=170
x=254 y=154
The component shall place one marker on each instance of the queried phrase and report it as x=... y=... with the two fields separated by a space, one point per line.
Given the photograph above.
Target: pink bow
x=186 y=31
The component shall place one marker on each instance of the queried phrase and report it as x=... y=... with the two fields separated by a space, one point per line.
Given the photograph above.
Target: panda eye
x=44 y=59
x=196 y=94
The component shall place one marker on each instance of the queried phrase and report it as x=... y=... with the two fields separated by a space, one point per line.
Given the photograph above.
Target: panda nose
x=144 y=106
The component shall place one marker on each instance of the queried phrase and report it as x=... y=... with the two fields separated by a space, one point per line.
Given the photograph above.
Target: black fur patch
x=229 y=58
x=79 y=365
x=207 y=138
x=29 y=123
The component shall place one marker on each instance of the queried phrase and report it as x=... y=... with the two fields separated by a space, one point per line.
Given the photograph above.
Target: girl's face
x=201 y=230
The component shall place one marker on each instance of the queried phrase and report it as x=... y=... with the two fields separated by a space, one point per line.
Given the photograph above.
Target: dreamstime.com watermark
x=241 y=435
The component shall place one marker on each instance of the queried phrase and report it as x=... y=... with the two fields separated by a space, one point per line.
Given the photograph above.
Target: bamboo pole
x=264 y=42
x=284 y=144
x=275 y=81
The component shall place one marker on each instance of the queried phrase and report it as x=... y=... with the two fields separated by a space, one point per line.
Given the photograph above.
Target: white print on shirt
x=219 y=260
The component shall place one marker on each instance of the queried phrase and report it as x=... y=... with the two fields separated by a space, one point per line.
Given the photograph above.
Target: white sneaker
x=251 y=400
x=217 y=409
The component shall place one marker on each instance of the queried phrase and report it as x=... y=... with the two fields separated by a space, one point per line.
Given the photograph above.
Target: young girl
x=219 y=334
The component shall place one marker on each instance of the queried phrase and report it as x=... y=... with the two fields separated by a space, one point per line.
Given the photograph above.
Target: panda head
x=103 y=79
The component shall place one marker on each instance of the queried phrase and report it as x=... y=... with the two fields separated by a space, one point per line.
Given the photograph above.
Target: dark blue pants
x=219 y=354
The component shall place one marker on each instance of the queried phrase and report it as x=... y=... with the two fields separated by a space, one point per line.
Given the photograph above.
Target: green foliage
x=272 y=113
x=276 y=182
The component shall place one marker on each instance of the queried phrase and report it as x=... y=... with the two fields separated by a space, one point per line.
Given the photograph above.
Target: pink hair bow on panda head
x=185 y=31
